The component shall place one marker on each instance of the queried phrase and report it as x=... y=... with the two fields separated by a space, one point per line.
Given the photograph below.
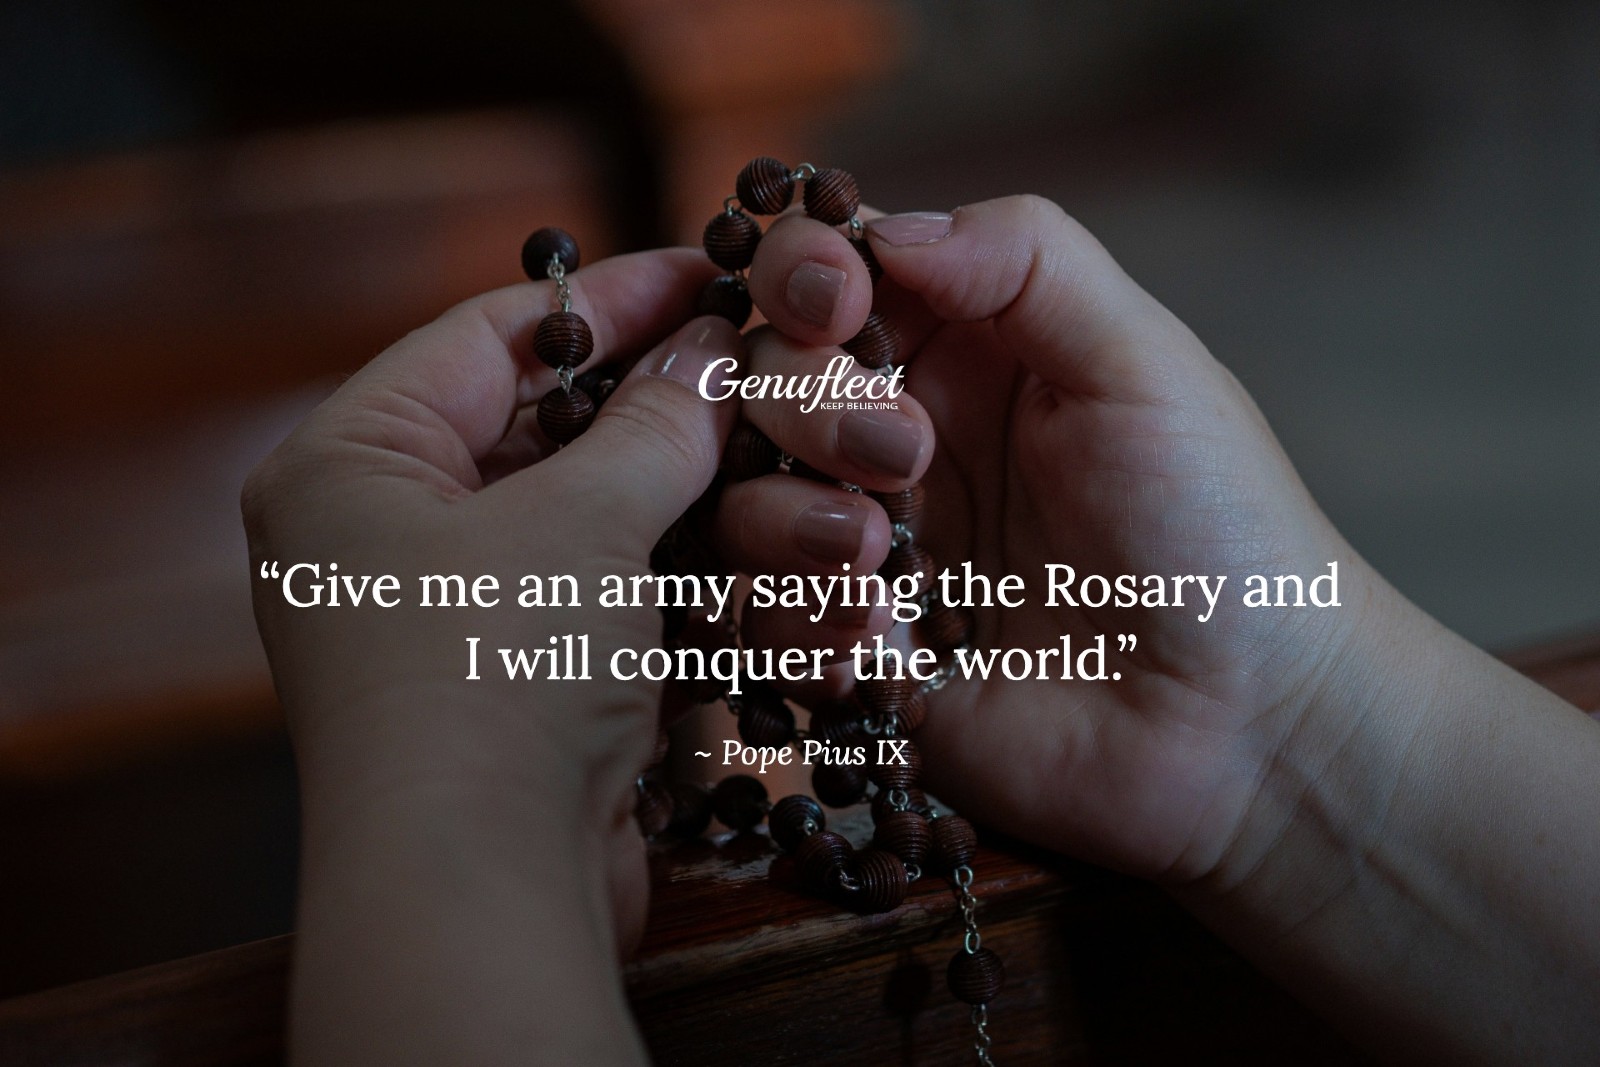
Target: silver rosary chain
x=971 y=942
x=556 y=271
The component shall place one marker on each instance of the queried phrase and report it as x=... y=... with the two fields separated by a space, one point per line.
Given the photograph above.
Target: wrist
x=1333 y=759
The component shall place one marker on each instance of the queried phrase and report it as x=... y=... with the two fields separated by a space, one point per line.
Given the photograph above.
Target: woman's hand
x=1383 y=816
x=1078 y=422
x=471 y=866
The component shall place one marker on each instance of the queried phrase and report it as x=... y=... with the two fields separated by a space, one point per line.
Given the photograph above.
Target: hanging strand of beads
x=909 y=835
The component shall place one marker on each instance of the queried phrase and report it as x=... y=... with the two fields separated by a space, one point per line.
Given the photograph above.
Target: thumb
x=1056 y=296
x=656 y=444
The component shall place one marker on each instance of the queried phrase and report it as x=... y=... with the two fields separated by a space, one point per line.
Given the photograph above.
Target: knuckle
x=656 y=437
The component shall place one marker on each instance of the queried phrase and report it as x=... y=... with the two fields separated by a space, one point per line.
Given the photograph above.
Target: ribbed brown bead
x=906 y=834
x=749 y=454
x=887 y=695
x=838 y=727
x=910 y=559
x=563 y=416
x=976 y=977
x=955 y=842
x=599 y=382
x=887 y=775
x=947 y=626
x=563 y=339
x=838 y=786
x=725 y=295
x=913 y=713
x=653 y=807
x=881 y=881
x=876 y=344
x=905 y=507
x=831 y=196
x=691 y=809
x=821 y=857
x=864 y=249
x=730 y=239
x=765 y=721
x=764 y=186
x=881 y=806
x=793 y=819
x=740 y=802
x=541 y=245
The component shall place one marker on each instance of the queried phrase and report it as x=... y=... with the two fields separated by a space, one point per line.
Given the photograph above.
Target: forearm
x=1422 y=855
x=453 y=914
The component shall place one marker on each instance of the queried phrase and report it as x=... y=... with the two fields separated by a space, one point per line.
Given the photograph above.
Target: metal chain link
x=557 y=272
x=971 y=942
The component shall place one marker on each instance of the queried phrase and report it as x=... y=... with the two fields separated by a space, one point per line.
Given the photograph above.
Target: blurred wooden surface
x=737 y=967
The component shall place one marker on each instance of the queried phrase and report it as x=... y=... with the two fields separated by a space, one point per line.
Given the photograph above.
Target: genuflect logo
x=841 y=385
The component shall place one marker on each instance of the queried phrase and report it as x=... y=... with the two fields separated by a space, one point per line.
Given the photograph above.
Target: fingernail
x=886 y=441
x=912 y=228
x=703 y=356
x=831 y=532
x=813 y=292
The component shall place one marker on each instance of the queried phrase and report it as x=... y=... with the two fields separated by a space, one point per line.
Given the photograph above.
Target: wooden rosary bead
x=976 y=977
x=887 y=695
x=821 y=858
x=730 y=239
x=831 y=196
x=906 y=834
x=764 y=186
x=905 y=507
x=765 y=721
x=599 y=382
x=910 y=559
x=881 y=881
x=653 y=808
x=793 y=819
x=955 y=842
x=726 y=295
x=563 y=339
x=913 y=713
x=838 y=726
x=886 y=775
x=749 y=454
x=563 y=415
x=839 y=785
x=876 y=344
x=691 y=809
x=882 y=807
x=948 y=626
x=740 y=802
x=541 y=245
x=863 y=249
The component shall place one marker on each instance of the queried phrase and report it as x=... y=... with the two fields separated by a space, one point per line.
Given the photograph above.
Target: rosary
x=911 y=838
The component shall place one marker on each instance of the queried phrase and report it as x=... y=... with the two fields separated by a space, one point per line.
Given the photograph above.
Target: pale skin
x=1380 y=815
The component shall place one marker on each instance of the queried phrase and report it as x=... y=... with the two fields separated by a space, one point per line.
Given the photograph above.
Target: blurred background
x=1385 y=219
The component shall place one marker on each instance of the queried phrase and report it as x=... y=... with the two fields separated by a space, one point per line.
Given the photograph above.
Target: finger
x=809 y=282
x=655 y=445
x=446 y=393
x=1056 y=296
x=785 y=525
x=836 y=629
x=878 y=447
